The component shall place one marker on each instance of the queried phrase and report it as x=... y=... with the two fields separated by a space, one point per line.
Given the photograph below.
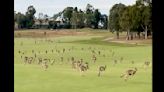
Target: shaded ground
x=134 y=41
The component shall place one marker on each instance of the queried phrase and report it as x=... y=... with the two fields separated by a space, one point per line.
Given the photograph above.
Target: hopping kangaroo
x=101 y=69
x=129 y=72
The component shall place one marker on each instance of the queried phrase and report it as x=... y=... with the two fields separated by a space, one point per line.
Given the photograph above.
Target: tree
x=89 y=16
x=125 y=22
x=77 y=20
x=130 y=21
x=67 y=13
x=89 y=9
x=89 y=20
x=74 y=18
x=31 y=10
x=15 y=16
x=135 y=17
x=30 y=16
x=75 y=9
x=20 y=19
x=146 y=20
x=145 y=10
x=104 y=21
x=97 y=16
x=80 y=11
x=114 y=17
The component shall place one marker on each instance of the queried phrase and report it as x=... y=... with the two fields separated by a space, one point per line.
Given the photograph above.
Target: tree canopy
x=131 y=18
x=27 y=20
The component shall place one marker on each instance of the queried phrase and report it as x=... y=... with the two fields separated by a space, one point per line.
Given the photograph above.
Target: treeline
x=70 y=17
x=27 y=20
x=132 y=19
x=76 y=18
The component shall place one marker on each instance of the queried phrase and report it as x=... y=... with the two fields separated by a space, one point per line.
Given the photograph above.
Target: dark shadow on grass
x=99 y=41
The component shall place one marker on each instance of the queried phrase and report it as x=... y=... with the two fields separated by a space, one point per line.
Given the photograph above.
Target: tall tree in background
x=135 y=16
x=67 y=13
x=89 y=19
x=97 y=16
x=103 y=21
x=132 y=18
x=89 y=9
x=74 y=18
x=89 y=16
x=77 y=19
x=20 y=19
x=75 y=10
x=30 y=16
x=15 y=16
x=145 y=9
x=81 y=18
x=114 y=17
x=125 y=22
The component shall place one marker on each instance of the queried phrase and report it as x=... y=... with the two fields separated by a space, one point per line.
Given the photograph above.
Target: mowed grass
x=60 y=77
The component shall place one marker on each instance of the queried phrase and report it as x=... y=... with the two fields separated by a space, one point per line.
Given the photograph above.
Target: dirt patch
x=136 y=41
x=47 y=33
x=108 y=39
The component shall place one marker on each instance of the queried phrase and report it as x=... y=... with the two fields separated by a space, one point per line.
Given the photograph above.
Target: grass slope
x=62 y=78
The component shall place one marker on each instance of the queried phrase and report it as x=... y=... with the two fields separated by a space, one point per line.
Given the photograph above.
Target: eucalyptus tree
x=114 y=17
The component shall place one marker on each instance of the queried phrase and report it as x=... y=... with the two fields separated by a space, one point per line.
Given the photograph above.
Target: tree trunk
x=127 y=36
x=18 y=26
x=139 y=35
x=131 y=35
x=135 y=35
x=117 y=34
x=146 y=32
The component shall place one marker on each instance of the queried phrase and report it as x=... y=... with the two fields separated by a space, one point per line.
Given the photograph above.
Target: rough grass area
x=60 y=77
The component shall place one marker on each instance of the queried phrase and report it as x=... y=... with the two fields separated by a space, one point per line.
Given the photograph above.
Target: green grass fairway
x=60 y=77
